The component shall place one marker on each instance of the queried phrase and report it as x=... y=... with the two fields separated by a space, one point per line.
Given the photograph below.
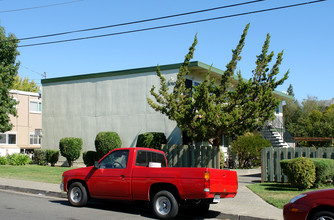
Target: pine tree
x=8 y=70
x=290 y=91
x=222 y=108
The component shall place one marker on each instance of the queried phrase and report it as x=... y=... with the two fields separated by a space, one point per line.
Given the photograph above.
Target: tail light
x=206 y=182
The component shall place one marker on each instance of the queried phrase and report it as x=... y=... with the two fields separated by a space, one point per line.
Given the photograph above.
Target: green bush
x=151 y=140
x=300 y=172
x=40 y=157
x=222 y=159
x=105 y=142
x=247 y=149
x=3 y=160
x=52 y=156
x=324 y=169
x=89 y=157
x=18 y=159
x=70 y=148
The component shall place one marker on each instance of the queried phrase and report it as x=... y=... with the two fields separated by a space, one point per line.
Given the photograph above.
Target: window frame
x=8 y=138
x=147 y=160
x=39 y=106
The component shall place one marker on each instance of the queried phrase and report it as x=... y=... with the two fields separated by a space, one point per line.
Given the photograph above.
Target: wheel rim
x=325 y=218
x=76 y=194
x=163 y=205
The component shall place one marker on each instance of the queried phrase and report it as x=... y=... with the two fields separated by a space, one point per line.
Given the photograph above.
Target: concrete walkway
x=246 y=205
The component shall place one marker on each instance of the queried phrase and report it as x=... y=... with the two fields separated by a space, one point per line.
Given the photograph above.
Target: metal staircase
x=278 y=136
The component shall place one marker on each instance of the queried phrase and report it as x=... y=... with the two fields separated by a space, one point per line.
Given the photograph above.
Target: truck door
x=113 y=177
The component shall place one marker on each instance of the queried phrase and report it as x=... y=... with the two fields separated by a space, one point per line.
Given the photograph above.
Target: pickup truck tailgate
x=223 y=182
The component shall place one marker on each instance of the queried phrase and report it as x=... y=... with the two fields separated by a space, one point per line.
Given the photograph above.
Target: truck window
x=115 y=160
x=145 y=157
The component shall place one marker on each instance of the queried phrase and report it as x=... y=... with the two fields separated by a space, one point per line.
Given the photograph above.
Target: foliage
x=247 y=149
x=324 y=169
x=40 y=157
x=221 y=159
x=151 y=140
x=24 y=84
x=8 y=70
x=310 y=119
x=3 y=160
x=52 y=156
x=105 y=142
x=212 y=109
x=300 y=172
x=70 y=148
x=18 y=159
x=89 y=157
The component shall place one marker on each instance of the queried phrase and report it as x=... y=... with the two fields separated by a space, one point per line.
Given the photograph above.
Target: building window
x=35 y=139
x=35 y=106
x=8 y=139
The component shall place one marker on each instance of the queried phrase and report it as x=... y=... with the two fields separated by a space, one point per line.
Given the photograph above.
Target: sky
x=305 y=33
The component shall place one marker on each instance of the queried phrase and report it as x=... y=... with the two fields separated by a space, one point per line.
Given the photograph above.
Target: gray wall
x=82 y=108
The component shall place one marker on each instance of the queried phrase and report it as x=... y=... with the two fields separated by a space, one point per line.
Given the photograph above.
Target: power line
x=173 y=25
x=42 y=6
x=140 y=21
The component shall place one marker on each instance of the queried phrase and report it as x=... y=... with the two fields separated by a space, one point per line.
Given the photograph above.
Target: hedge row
x=43 y=157
x=304 y=172
x=15 y=159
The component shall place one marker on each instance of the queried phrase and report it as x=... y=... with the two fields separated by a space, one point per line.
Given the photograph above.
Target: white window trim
x=38 y=140
x=7 y=134
x=37 y=101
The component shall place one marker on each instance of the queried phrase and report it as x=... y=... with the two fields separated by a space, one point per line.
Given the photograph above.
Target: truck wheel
x=77 y=194
x=165 y=205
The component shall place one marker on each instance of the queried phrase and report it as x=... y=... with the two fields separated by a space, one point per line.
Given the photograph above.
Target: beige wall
x=25 y=123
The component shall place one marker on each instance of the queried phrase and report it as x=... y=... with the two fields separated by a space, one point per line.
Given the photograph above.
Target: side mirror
x=96 y=165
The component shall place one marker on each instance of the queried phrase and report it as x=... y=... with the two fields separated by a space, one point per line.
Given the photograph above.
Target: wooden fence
x=271 y=169
x=192 y=156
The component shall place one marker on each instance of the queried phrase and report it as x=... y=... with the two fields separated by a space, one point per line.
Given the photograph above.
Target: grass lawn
x=34 y=173
x=278 y=194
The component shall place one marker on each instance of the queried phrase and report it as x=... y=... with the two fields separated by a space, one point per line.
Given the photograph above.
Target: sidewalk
x=246 y=205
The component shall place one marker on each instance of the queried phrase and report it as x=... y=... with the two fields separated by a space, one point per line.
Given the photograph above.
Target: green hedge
x=324 y=170
x=70 y=148
x=300 y=172
x=89 y=157
x=106 y=141
x=3 y=160
x=40 y=157
x=151 y=140
x=18 y=159
x=52 y=156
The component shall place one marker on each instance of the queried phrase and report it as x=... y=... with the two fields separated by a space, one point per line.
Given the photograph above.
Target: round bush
x=89 y=157
x=301 y=173
x=70 y=148
x=105 y=142
x=151 y=140
x=52 y=156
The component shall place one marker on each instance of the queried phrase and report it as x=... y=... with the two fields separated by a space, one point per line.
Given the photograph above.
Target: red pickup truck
x=133 y=174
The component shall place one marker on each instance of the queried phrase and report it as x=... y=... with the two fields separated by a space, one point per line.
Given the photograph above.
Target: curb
x=34 y=191
x=63 y=195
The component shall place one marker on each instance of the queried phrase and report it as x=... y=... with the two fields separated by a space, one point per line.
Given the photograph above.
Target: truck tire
x=77 y=194
x=165 y=205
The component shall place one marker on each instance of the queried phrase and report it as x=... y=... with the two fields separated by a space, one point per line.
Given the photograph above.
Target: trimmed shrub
x=89 y=157
x=40 y=157
x=70 y=148
x=3 y=160
x=106 y=141
x=18 y=159
x=247 y=149
x=300 y=172
x=221 y=159
x=324 y=169
x=151 y=140
x=52 y=156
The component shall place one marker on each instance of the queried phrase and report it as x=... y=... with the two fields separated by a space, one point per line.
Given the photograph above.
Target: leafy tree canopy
x=8 y=70
x=215 y=108
x=24 y=84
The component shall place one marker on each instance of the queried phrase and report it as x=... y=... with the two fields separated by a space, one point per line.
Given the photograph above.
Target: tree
x=24 y=84
x=70 y=148
x=290 y=91
x=212 y=109
x=8 y=70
